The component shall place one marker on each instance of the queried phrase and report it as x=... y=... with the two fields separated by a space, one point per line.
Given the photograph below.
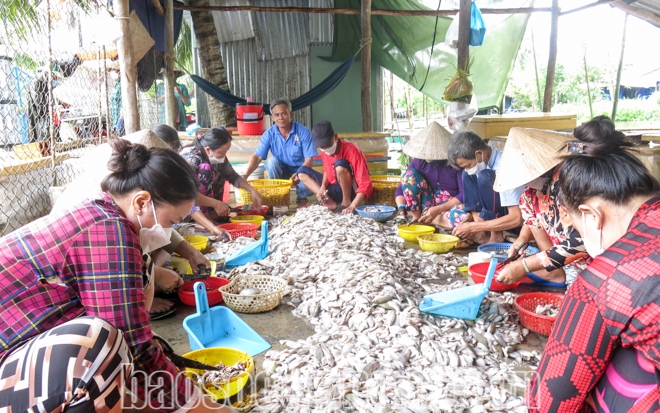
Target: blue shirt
x=293 y=150
x=512 y=196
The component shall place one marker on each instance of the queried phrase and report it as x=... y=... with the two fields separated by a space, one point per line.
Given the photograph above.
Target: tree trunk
x=211 y=59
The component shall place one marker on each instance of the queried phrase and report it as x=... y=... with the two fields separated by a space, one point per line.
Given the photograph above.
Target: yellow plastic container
x=229 y=357
x=411 y=232
x=438 y=243
x=197 y=241
x=250 y=219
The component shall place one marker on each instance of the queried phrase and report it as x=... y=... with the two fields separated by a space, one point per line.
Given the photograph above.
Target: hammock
x=315 y=94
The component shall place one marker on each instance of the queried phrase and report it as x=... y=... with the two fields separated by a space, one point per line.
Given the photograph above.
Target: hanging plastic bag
x=451 y=37
x=460 y=114
x=459 y=88
x=477 y=26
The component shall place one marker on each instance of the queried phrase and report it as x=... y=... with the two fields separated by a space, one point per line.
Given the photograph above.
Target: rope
x=363 y=43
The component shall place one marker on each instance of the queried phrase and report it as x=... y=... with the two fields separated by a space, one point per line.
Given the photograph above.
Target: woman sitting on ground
x=75 y=290
x=602 y=354
x=526 y=160
x=431 y=189
x=208 y=158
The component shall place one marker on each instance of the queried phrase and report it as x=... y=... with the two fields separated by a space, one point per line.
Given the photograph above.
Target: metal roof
x=648 y=10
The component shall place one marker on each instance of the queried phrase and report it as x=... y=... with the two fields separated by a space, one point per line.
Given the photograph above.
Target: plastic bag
x=460 y=114
x=459 y=88
x=451 y=37
x=477 y=26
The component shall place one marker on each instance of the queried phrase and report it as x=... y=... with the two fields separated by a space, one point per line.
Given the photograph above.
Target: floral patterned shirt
x=540 y=210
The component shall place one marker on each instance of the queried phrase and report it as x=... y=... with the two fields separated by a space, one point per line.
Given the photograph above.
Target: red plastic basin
x=187 y=293
x=478 y=273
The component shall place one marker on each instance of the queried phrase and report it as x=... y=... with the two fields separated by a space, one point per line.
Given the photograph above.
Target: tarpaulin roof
x=403 y=44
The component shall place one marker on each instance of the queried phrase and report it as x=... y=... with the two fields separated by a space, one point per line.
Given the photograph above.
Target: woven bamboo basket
x=384 y=189
x=272 y=290
x=274 y=192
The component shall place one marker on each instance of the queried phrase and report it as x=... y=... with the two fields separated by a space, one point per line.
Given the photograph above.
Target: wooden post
x=464 y=34
x=552 y=58
x=617 y=87
x=367 y=118
x=168 y=78
x=127 y=68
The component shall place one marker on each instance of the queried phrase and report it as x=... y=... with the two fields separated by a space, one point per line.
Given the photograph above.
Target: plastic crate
x=272 y=191
x=384 y=189
x=240 y=229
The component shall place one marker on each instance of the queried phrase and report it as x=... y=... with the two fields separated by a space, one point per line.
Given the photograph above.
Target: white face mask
x=480 y=166
x=216 y=161
x=155 y=237
x=537 y=183
x=331 y=150
x=593 y=249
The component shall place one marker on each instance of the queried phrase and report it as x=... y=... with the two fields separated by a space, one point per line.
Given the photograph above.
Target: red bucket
x=250 y=118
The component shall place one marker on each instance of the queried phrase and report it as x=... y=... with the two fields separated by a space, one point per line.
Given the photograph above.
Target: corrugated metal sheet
x=247 y=75
x=233 y=25
x=321 y=25
x=282 y=35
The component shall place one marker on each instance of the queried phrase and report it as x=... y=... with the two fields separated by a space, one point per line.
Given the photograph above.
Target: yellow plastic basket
x=197 y=241
x=411 y=232
x=438 y=243
x=384 y=189
x=229 y=357
x=249 y=219
x=272 y=191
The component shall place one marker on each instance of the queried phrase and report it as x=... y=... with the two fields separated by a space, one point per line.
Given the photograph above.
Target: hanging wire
x=435 y=33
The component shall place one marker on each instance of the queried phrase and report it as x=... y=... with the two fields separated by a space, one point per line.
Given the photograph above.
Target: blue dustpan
x=220 y=327
x=253 y=252
x=461 y=302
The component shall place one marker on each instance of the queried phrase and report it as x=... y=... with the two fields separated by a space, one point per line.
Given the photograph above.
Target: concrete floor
x=280 y=323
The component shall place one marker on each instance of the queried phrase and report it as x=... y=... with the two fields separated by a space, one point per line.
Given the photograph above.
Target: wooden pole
x=375 y=12
x=586 y=79
x=552 y=58
x=367 y=118
x=464 y=34
x=586 y=6
x=168 y=78
x=537 y=103
x=127 y=69
x=617 y=87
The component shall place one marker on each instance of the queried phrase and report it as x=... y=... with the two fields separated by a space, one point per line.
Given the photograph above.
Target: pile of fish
x=373 y=350
x=216 y=377
x=226 y=249
x=548 y=309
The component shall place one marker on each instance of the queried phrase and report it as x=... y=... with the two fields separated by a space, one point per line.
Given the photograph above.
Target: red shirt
x=355 y=157
x=614 y=303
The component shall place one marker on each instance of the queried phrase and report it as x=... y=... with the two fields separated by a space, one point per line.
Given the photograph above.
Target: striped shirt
x=85 y=260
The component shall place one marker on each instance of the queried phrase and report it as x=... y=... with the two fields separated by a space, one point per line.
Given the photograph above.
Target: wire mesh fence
x=60 y=97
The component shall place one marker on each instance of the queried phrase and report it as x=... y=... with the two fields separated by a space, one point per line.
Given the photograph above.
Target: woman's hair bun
x=127 y=157
x=600 y=137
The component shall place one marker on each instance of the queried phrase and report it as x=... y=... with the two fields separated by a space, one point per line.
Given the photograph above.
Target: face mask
x=216 y=161
x=480 y=166
x=155 y=237
x=331 y=150
x=538 y=183
x=593 y=249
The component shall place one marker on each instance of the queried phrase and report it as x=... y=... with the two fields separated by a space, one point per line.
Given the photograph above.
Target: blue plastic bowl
x=384 y=213
x=499 y=250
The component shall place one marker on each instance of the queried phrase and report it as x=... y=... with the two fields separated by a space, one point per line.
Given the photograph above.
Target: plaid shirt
x=614 y=303
x=83 y=261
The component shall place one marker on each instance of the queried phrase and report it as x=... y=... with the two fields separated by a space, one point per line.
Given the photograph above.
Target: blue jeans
x=479 y=196
x=334 y=190
x=277 y=169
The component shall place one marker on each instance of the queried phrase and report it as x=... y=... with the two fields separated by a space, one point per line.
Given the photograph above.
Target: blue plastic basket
x=378 y=216
x=220 y=327
x=461 y=302
x=499 y=250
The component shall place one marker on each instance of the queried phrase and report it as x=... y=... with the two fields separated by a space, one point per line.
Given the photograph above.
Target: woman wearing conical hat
x=430 y=188
x=532 y=158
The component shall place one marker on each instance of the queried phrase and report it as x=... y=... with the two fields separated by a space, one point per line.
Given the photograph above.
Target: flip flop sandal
x=163 y=314
x=537 y=281
x=466 y=243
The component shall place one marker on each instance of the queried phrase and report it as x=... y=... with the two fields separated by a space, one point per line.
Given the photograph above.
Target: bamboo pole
x=586 y=78
x=168 y=78
x=464 y=34
x=127 y=69
x=586 y=6
x=367 y=118
x=552 y=58
x=617 y=87
x=375 y=12
x=536 y=74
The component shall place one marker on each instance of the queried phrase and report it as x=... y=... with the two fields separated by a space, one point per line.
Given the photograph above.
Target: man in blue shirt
x=291 y=146
x=489 y=213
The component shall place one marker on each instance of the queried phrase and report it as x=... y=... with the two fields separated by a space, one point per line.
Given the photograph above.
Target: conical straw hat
x=431 y=143
x=528 y=154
